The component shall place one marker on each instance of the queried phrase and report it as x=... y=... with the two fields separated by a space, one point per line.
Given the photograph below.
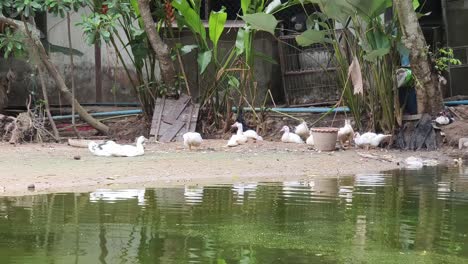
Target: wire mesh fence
x=309 y=73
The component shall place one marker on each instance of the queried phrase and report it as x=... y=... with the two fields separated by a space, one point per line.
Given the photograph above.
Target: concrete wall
x=267 y=75
x=113 y=74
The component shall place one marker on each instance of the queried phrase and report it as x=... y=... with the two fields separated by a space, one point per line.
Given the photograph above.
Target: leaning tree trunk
x=428 y=95
x=159 y=47
x=36 y=44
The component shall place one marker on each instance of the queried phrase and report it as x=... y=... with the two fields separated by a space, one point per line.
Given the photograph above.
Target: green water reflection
x=399 y=217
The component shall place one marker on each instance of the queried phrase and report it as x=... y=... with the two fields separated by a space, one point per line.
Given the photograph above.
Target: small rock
x=77 y=157
x=31 y=187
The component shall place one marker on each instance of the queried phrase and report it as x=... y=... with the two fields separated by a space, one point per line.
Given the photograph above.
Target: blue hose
x=100 y=114
x=461 y=102
x=298 y=110
x=248 y=109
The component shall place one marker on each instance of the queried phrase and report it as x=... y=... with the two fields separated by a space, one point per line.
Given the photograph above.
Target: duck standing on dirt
x=289 y=137
x=192 y=139
x=346 y=133
x=110 y=148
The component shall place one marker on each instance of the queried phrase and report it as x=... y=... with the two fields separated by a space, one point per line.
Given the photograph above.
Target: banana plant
x=372 y=42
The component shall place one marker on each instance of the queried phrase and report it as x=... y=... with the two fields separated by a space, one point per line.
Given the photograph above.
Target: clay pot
x=325 y=138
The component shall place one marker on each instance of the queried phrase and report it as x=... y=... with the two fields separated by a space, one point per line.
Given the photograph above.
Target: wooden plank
x=411 y=117
x=171 y=132
x=194 y=118
x=157 y=116
x=170 y=116
x=177 y=109
x=188 y=120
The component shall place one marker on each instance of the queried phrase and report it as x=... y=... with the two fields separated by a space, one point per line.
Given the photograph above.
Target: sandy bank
x=52 y=167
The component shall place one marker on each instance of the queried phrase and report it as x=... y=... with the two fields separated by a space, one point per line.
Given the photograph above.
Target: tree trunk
x=428 y=95
x=159 y=47
x=46 y=103
x=72 y=74
x=33 y=35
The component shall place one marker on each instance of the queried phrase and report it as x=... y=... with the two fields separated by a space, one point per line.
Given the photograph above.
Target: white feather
x=289 y=137
x=110 y=148
x=346 y=133
x=238 y=138
x=442 y=120
x=369 y=139
x=302 y=130
x=192 y=139
x=102 y=150
x=252 y=134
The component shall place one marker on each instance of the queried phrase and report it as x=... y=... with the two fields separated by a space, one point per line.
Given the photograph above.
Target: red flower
x=104 y=9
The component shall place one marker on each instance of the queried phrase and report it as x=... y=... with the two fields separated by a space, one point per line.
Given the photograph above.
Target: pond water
x=395 y=217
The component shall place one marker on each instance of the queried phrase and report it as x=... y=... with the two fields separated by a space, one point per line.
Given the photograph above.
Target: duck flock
x=301 y=135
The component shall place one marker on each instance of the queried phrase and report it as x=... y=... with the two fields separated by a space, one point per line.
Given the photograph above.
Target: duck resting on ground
x=302 y=130
x=369 y=139
x=192 y=139
x=239 y=138
x=250 y=134
x=346 y=133
x=110 y=148
x=103 y=149
x=443 y=118
x=289 y=137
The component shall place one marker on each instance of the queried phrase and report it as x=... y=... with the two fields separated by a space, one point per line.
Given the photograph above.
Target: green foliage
x=99 y=26
x=61 y=7
x=28 y=8
x=12 y=43
x=444 y=58
x=204 y=59
x=375 y=46
x=191 y=18
x=261 y=21
x=216 y=25
x=370 y=8
x=245 y=5
x=4 y=5
x=311 y=36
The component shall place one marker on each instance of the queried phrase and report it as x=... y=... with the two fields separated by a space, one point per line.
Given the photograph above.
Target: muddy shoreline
x=52 y=167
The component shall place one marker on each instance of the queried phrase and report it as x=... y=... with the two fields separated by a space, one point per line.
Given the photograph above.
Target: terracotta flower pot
x=325 y=138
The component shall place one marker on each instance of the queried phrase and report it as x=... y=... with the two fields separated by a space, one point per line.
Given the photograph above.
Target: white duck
x=130 y=150
x=289 y=137
x=248 y=133
x=443 y=119
x=302 y=130
x=310 y=139
x=103 y=149
x=192 y=139
x=369 y=139
x=346 y=133
x=239 y=138
x=110 y=148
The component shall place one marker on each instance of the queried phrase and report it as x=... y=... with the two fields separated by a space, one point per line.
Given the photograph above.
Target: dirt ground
x=53 y=167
